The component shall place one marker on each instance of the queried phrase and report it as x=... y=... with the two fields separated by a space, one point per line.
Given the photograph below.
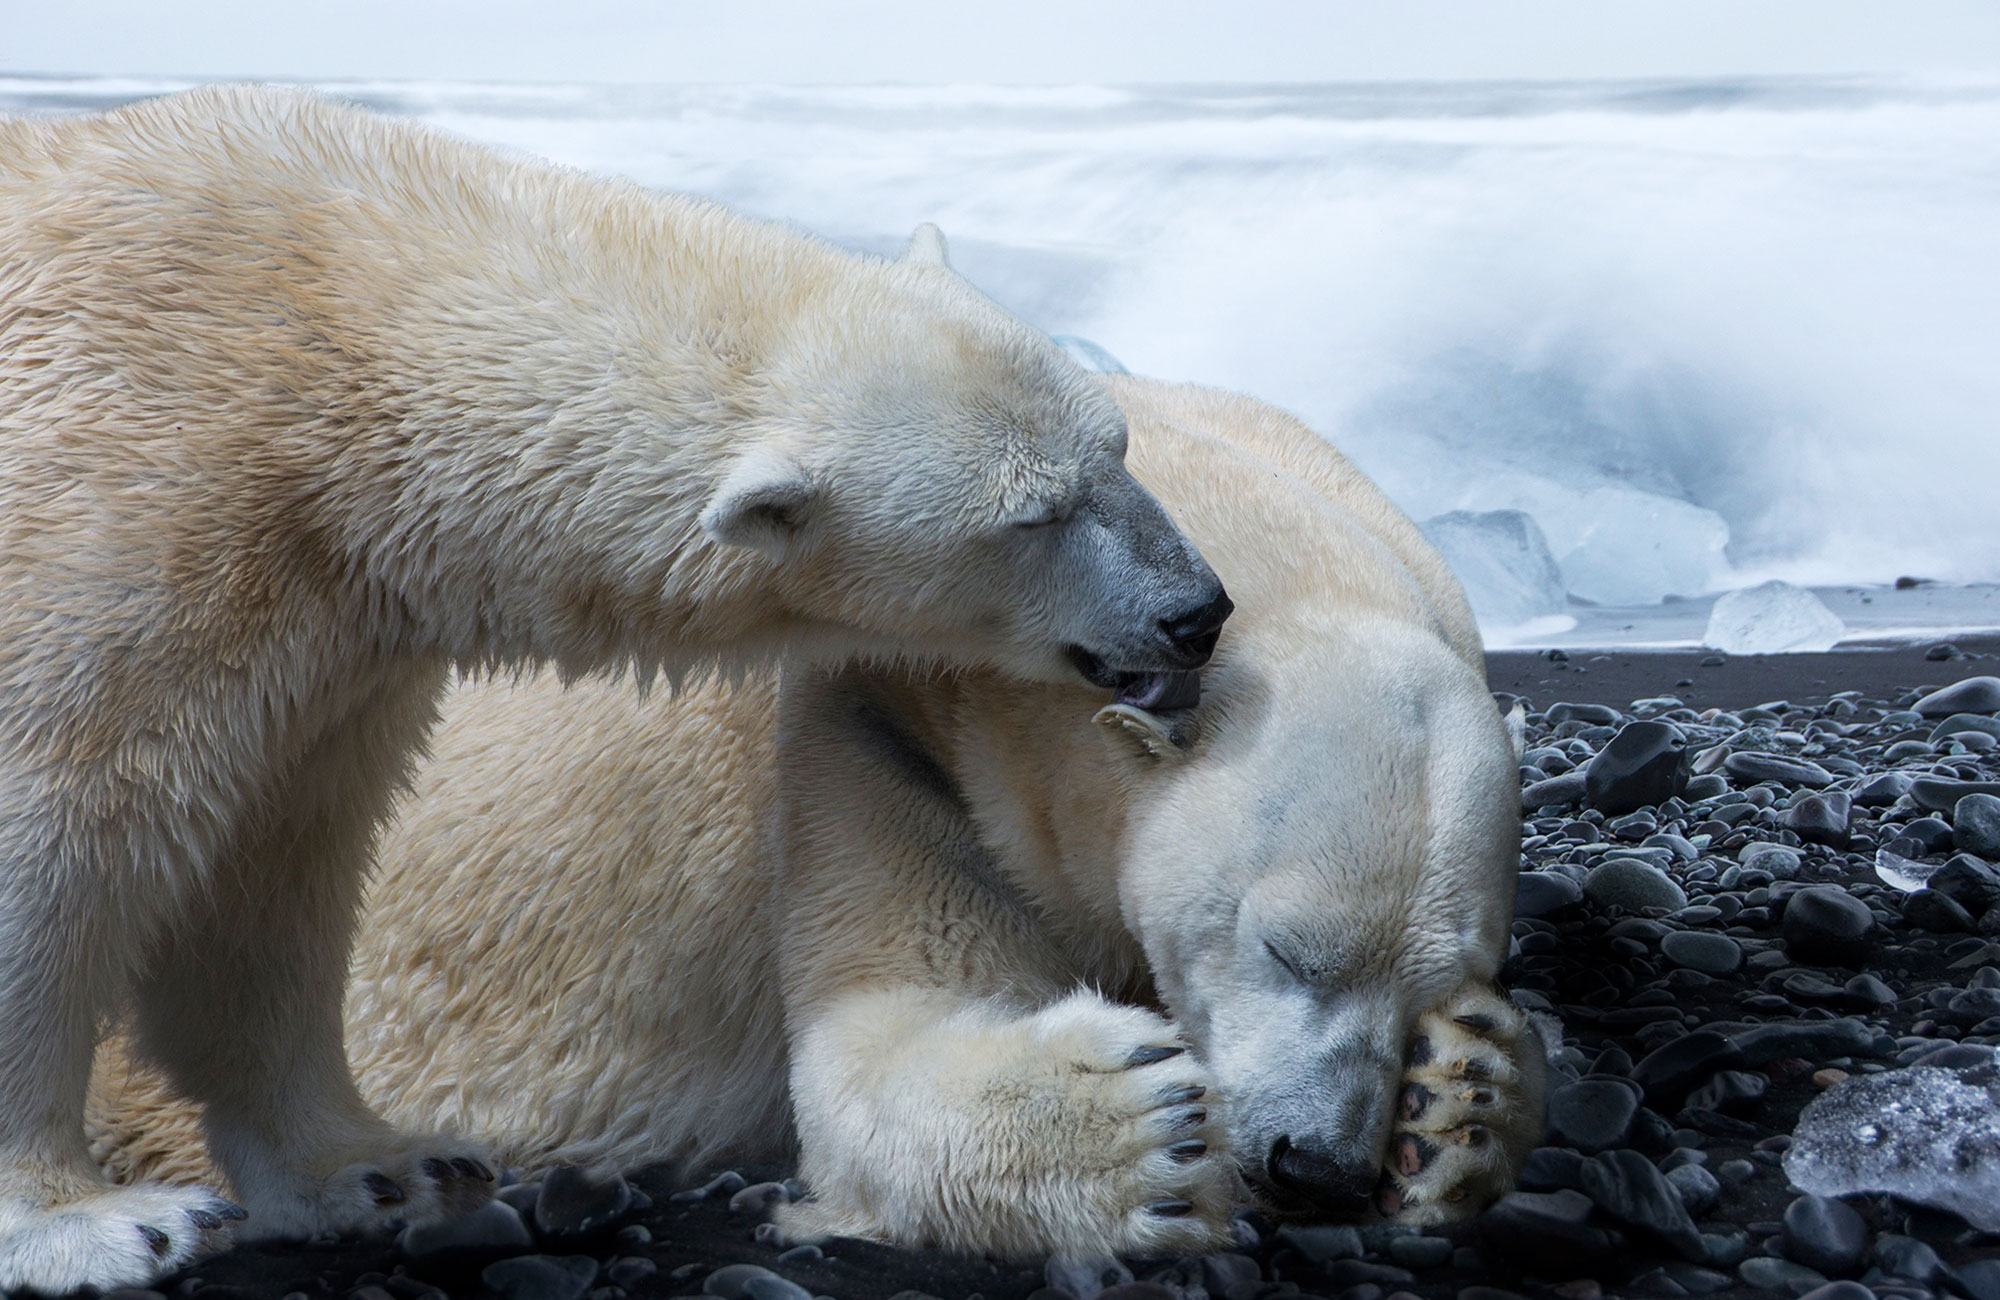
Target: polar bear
x=299 y=409
x=945 y=941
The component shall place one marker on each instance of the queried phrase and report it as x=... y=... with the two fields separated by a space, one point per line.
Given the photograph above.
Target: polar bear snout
x=1191 y=635
x=1322 y=1176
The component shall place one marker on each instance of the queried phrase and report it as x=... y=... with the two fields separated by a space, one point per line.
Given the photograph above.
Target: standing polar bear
x=944 y=939
x=301 y=408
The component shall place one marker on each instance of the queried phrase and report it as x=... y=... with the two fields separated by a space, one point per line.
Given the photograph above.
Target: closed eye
x=1278 y=956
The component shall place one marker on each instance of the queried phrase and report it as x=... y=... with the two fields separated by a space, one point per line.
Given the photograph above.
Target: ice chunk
x=1898 y=872
x=1771 y=618
x=1502 y=560
x=1627 y=547
x=1925 y=1134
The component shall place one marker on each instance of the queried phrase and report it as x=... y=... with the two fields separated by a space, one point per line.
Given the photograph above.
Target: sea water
x=1703 y=334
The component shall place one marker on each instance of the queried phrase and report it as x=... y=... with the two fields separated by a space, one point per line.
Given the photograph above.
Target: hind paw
x=410 y=1179
x=1469 y=1112
x=119 y=1237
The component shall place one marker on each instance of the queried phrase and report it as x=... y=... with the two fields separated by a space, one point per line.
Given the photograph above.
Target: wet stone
x=1592 y=1115
x=1698 y=1189
x=1644 y=765
x=1820 y=819
x=1827 y=1235
x=1711 y=954
x=1628 y=1187
x=1750 y=766
x=1826 y=925
x=1544 y=893
x=574 y=1204
x=1730 y=1092
x=1975 y=821
x=1671 y=1071
x=1634 y=885
x=1969 y=882
x=1926 y=909
x=1973 y=695
x=495 y=1228
x=1550 y=1229
x=541 y=1277
x=1779 y=1275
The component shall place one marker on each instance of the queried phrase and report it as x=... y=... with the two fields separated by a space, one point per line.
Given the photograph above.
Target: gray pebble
x=1711 y=954
x=1975 y=823
x=541 y=1277
x=1633 y=885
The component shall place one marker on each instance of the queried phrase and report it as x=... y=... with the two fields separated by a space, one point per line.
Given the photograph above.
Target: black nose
x=1193 y=633
x=1314 y=1175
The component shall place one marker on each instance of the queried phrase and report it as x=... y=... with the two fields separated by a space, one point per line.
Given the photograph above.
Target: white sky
x=995 y=40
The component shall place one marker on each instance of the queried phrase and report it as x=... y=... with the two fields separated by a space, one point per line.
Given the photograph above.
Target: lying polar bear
x=946 y=939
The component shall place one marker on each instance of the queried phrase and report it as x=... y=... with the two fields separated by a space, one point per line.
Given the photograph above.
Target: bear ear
x=1148 y=737
x=762 y=504
x=926 y=247
x=1517 y=729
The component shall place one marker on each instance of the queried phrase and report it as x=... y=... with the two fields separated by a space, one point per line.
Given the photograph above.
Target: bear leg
x=243 y=1009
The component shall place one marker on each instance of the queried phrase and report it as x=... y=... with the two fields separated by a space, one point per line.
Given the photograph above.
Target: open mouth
x=1155 y=692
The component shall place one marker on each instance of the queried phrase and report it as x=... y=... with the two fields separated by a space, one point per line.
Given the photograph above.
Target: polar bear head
x=1325 y=848
x=937 y=475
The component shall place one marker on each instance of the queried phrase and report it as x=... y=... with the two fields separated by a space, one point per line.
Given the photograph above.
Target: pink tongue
x=1158 y=692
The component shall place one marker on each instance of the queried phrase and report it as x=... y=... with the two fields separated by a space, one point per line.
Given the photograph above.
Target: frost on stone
x=1925 y=1134
x=1772 y=618
x=1899 y=872
x=1502 y=560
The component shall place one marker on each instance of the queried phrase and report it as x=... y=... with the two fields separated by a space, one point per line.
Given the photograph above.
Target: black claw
x=1188 y=1117
x=1479 y=1070
x=1188 y=1152
x=1151 y=1056
x=156 y=1241
x=1420 y=1050
x=1484 y=1096
x=204 y=1220
x=1477 y=1023
x=383 y=1189
x=1178 y=1096
x=1476 y=1136
x=1416 y=1100
x=1170 y=1209
x=472 y=1168
x=227 y=1210
x=435 y=1169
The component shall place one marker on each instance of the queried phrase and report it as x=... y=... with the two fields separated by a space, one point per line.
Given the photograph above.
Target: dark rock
x=1731 y=1092
x=1866 y=993
x=1592 y=1115
x=1548 y=1169
x=1420 y=1252
x=573 y=1204
x=494 y=1229
x=1901 y=1256
x=1820 y=819
x=1827 y=1235
x=1810 y=1040
x=1748 y=765
x=1980 y=1277
x=1782 y=1275
x=1219 y=1272
x=1975 y=824
x=1959 y=724
x=630 y=1271
x=1551 y=1230
x=1941 y=794
x=1826 y=925
x=1939 y=913
x=1699 y=1190
x=1841 y=1290
x=1882 y=790
x=1970 y=883
x=1544 y=893
x=1322 y=1242
x=1633 y=884
x=1630 y=1189
x=1556 y=791
x=1711 y=954
x=1671 y=1071
x=1644 y=765
x=759 y=1199
x=1973 y=695
x=1597 y=715
x=1931 y=834
x=541 y=1277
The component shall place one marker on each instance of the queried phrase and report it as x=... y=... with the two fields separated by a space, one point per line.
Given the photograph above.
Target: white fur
x=298 y=409
x=607 y=931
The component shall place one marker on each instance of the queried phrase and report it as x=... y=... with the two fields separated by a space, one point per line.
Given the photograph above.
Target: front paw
x=116 y=1237
x=1085 y=1129
x=1469 y=1112
x=377 y=1188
